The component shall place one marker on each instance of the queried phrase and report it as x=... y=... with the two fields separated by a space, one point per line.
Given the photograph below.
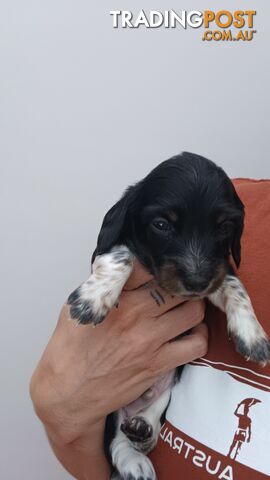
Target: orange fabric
x=255 y=274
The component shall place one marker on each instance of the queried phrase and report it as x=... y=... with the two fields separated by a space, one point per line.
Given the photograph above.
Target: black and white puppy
x=183 y=222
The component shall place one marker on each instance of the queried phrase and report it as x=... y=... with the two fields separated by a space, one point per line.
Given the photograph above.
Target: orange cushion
x=255 y=266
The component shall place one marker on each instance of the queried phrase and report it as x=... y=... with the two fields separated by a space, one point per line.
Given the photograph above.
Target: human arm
x=85 y=373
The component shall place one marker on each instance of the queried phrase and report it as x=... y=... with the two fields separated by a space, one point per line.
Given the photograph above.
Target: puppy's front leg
x=91 y=301
x=250 y=339
x=130 y=463
x=135 y=437
x=143 y=428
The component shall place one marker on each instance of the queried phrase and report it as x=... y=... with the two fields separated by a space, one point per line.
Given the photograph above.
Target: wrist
x=90 y=440
x=84 y=458
x=64 y=421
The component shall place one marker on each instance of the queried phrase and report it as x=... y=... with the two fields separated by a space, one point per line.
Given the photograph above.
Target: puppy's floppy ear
x=113 y=224
x=238 y=230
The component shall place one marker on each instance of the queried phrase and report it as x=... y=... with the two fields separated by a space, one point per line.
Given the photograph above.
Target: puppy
x=184 y=223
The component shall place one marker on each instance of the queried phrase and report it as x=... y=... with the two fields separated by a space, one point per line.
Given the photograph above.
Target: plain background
x=86 y=110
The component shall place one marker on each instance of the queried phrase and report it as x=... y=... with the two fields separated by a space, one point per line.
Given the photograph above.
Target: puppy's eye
x=161 y=224
x=225 y=228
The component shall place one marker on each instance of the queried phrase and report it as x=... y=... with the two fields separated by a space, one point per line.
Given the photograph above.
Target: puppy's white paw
x=249 y=337
x=136 y=466
x=91 y=301
x=258 y=352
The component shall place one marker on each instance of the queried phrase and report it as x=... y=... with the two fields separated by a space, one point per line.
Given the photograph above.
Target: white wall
x=84 y=111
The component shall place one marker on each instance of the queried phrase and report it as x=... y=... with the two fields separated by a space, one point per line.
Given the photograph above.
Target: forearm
x=85 y=373
x=79 y=446
x=83 y=458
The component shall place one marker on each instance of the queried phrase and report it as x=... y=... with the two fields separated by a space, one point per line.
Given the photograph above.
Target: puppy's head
x=182 y=222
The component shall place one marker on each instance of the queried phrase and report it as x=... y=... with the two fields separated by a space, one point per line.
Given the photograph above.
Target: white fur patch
x=251 y=340
x=95 y=297
x=107 y=279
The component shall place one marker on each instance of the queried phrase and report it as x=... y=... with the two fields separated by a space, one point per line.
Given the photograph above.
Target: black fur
x=260 y=352
x=137 y=429
x=204 y=219
x=182 y=222
x=81 y=310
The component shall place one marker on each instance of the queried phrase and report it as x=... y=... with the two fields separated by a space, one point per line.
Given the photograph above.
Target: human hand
x=86 y=373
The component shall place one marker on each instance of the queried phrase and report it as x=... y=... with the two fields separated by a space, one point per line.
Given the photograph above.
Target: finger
x=184 y=350
x=149 y=300
x=138 y=277
x=179 y=320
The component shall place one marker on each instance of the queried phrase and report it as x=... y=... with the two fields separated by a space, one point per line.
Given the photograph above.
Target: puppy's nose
x=195 y=285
